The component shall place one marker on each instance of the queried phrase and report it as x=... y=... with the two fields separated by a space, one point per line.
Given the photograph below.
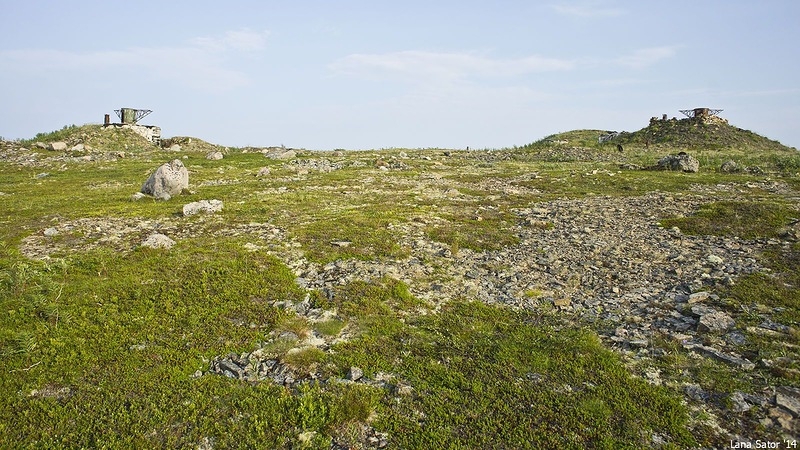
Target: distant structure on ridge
x=129 y=118
x=700 y=113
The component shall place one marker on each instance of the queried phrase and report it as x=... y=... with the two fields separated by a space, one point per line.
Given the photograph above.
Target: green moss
x=330 y=327
x=475 y=368
x=748 y=219
x=304 y=358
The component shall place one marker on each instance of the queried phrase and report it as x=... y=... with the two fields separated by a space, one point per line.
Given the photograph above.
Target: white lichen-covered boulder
x=203 y=206
x=168 y=180
x=158 y=240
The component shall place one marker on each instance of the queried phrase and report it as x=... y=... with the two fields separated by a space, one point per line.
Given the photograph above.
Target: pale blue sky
x=376 y=74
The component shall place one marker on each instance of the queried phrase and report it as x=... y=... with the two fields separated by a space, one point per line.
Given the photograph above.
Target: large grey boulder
x=168 y=180
x=681 y=162
x=58 y=146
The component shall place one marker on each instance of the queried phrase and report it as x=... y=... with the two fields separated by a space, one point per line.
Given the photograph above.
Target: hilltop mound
x=95 y=137
x=685 y=134
x=692 y=133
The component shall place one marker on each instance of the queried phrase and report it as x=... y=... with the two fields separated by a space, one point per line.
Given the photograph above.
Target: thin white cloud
x=647 y=56
x=241 y=40
x=199 y=65
x=615 y=82
x=588 y=9
x=425 y=66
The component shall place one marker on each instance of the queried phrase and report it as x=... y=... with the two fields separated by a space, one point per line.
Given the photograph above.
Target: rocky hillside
x=693 y=134
x=549 y=296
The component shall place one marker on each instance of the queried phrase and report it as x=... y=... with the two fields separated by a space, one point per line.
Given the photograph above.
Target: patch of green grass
x=748 y=219
x=787 y=164
x=778 y=289
x=475 y=368
x=295 y=324
x=330 y=327
x=484 y=229
x=381 y=298
x=141 y=324
x=304 y=358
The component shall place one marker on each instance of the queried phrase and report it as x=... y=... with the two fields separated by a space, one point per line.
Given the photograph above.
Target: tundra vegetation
x=107 y=344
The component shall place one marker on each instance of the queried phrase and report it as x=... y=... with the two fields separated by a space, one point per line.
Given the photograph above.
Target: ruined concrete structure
x=701 y=115
x=129 y=118
x=704 y=115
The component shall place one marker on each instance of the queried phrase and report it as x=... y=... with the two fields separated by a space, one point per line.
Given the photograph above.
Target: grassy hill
x=686 y=134
x=712 y=143
x=697 y=134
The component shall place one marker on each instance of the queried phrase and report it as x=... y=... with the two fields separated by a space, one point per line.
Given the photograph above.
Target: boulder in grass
x=680 y=162
x=167 y=181
x=158 y=240
x=729 y=166
x=58 y=146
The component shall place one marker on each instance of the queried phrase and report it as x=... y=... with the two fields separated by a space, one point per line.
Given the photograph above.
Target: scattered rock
x=175 y=147
x=58 y=146
x=680 y=162
x=698 y=297
x=716 y=321
x=50 y=232
x=695 y=392
x=788 y=398
x=738 y=402
x=263 y=172
x=729 y=166
x=215 y=155
x=206 y=206
x=354 y=374
x=158 y=240
x=732 y=360
x=137 y=196
x=280 y=153
x=562 y=302
x=167 y=181
x=52 y=391
x=323 y=165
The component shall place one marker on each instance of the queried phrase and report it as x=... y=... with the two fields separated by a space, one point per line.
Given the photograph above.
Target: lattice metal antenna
x=131 y=115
